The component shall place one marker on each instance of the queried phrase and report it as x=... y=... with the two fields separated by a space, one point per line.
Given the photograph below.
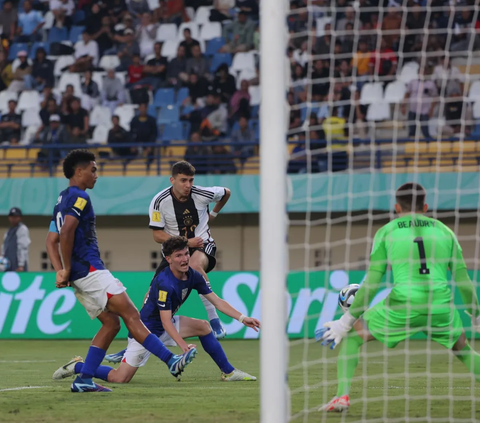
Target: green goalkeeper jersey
x=420 y=250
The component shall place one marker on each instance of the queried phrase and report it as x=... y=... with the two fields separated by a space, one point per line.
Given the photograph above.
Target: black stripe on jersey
x=156 y=228
x=203 y=192
x=160 y=199
x=186 y=214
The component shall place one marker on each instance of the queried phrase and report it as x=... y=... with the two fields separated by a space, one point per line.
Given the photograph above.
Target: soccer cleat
x=115 y=358
x=87 y=385
x=177 y=363
x=218 y=329
x=337 y=405
x=68 y=370
x=238 y=376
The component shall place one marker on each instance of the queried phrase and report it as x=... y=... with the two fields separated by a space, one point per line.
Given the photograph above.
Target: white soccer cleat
x=238 y=376
x=337 y=405
x=68 y=370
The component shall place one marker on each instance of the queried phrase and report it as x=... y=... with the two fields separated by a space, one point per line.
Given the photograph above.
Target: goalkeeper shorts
x=391 y=327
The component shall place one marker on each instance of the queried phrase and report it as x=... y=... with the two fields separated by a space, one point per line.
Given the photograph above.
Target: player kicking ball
x=169 y=290
x=420 y=251
x=72 y=232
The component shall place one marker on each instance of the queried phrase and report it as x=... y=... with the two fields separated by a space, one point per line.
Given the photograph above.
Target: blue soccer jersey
x=85 y=255
x=169 y=293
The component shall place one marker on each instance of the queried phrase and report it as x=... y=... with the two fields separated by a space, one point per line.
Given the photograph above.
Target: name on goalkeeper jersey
x=416 y=223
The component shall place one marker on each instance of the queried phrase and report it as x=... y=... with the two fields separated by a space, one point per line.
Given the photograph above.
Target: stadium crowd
x=138 y=71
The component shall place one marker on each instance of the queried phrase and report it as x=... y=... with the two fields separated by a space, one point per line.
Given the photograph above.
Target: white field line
x=20 y=388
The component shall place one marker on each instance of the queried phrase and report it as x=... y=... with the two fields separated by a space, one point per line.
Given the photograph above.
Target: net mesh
x=380 y=93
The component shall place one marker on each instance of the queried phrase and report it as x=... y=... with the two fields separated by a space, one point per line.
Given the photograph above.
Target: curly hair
x=74 y=159
x=175 y=243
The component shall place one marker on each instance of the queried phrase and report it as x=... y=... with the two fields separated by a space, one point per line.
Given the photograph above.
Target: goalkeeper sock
x=101 y=372
x=211 y=310
x=471 y=359
x=347 y=362
x=215 y=350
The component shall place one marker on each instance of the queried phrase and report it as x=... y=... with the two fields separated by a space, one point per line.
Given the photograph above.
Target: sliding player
x=169 y=290
x=420 y=251
x=72 y=231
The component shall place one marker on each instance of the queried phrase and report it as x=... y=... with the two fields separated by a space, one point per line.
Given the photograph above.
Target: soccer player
x=169 y=290
x=72 y=232
x=420 y=250
x=183 y=209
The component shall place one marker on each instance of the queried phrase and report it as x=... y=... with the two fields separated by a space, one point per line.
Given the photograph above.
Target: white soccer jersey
x=187 y=218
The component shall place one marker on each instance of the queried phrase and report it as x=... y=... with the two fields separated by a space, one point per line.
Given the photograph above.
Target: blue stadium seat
x=36 y=46
x=220 y=58
x=476 y=130
x=152 y=111
x=255 y=110
x=164 y=97
x=57 y=35
x=78 y=17
x=173 y=131
x=182 y=94
x=76 y=33
x=168 y=114
x=214 y=45
x=186 y=130
x=15 y=48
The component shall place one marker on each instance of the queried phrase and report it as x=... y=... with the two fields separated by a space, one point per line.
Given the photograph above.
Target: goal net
x=380 y=93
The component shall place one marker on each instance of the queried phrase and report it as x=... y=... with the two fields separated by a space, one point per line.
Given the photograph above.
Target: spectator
x=463 y=39
x=240 y=102
x=173 y=11
x=384 y=62
x=298 y=157
x=222 y=161
x=103 y=35
x=11 y=124
x=113 y=93
x=320 y=78
x=8 y=20
x=349 y=18
x=52 y=134
x=188 y=43
x=155 y=70
x=415 y=22
x=196 y=154
x=241 y=135
x=334 y=126
x=324 y=43
x=221 y=10
x=392 y=24
x=422 y=95
x=135 y=71
x=23 y=70
x=46 y=112
x=143 y=129
x=6 y=74
x=86 y=54
x=67 y=98
x=77 y=122
x=250 y=7
x=213 y=117
x=225 y=83
x=120 y=35
x=118 y=135
x=146 y=34
x=454 y=113
x=240 y=33
x=63 y=11
x=116 y=9
x=198 y=63
x=366 y=7
x=446 y=76
x=361 y=59
x=48 y=94
x=177 y=68
x=197 y=90
x=138 y=7
x=90 y=87
x=29 y=24
x=16 y=242
x=42 y=72
x=127 y=50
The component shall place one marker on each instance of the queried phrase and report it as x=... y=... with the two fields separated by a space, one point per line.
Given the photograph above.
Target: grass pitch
x=395 y=390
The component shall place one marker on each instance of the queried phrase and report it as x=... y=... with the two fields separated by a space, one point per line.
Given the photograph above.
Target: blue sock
x=215 y=350
x=101 y=372
x=156 y=347
x=94 y=357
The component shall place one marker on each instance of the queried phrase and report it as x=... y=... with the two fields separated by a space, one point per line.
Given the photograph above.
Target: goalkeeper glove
x=333 y=332
x=475 y=321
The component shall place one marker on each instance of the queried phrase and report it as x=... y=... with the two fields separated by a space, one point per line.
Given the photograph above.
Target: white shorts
x=94 y=290
x=137 y=355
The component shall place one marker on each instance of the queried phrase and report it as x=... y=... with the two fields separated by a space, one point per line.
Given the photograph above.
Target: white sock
x=211 y=310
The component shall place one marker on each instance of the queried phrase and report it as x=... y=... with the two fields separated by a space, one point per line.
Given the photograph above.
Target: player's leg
x=201 y=262
x=469 y=357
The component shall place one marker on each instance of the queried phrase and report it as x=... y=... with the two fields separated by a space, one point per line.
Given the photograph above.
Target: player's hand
x=62 y=280
x=210 y=218
x=20 y=269
x=252 y=323
x=333 y=332
x=185 y=348
x=196 y=242
x=475 y=321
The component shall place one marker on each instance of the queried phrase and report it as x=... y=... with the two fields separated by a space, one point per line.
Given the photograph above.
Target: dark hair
x=411 y=197
x=75 y=159
x=183 y=168
x=175 y=243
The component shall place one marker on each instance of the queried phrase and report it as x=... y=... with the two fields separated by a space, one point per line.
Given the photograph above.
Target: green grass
x=154 y=396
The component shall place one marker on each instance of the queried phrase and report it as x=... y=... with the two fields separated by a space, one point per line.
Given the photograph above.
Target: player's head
x=183 y=174
x=80 y=166
x=410 y=198
x=175 y=250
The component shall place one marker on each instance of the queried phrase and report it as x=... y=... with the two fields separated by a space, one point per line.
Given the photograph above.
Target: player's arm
x=160 y=236
x=166 y=318
x=52 y=244
x=157 y=223
x=220 y=203
x=67 y=238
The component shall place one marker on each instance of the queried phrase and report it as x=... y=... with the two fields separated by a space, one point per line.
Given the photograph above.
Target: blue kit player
x=169 y=290
x=72 y=233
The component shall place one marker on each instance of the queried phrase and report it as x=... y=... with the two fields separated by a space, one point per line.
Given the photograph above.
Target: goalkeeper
x=420 y=251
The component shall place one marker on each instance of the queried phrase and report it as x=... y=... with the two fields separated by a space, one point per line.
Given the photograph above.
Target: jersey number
x=424 y=270
x=59 y=221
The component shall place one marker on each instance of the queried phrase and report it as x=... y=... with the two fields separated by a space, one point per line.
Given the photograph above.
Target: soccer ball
x=4 y=264
x=347 y=295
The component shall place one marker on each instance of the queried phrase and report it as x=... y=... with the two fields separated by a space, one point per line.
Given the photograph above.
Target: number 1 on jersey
x=424 y=270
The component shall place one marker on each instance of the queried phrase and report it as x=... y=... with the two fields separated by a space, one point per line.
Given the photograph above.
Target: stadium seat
x=476 y=109
x=15 y=154
x=168 y=114
x=153 y=4
x=49 y=20
x=98 y=78
x=244 y=61
x=378 y=111
x=29 y=100
x=254 y=92
x=5 y=97
x=409 y=72
x=122 y=76
x=62 y=62
x=57 y=35
x=372 y=92
x=182 y=94
x=70 y=78
x=167 y=32
x=100 y=134
x=152 y=111
x=101 y=115
x=246 y=74
x=31 y=117
x=464 y=146
x=173 y=131
x=27 y=138
x=169 y=49
x=76 y=33
x=125 y=115
x=164 y=97
x=434 y=124
x=15 y=48
x=203 y=15
x=321 y=22
x=78 y=17
x=211 y=30
x=395 y=92
x=193 y=29
x=220 y=58
x=214 y=45
x=474 y=92
x=36 y=46
x=109 y=62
